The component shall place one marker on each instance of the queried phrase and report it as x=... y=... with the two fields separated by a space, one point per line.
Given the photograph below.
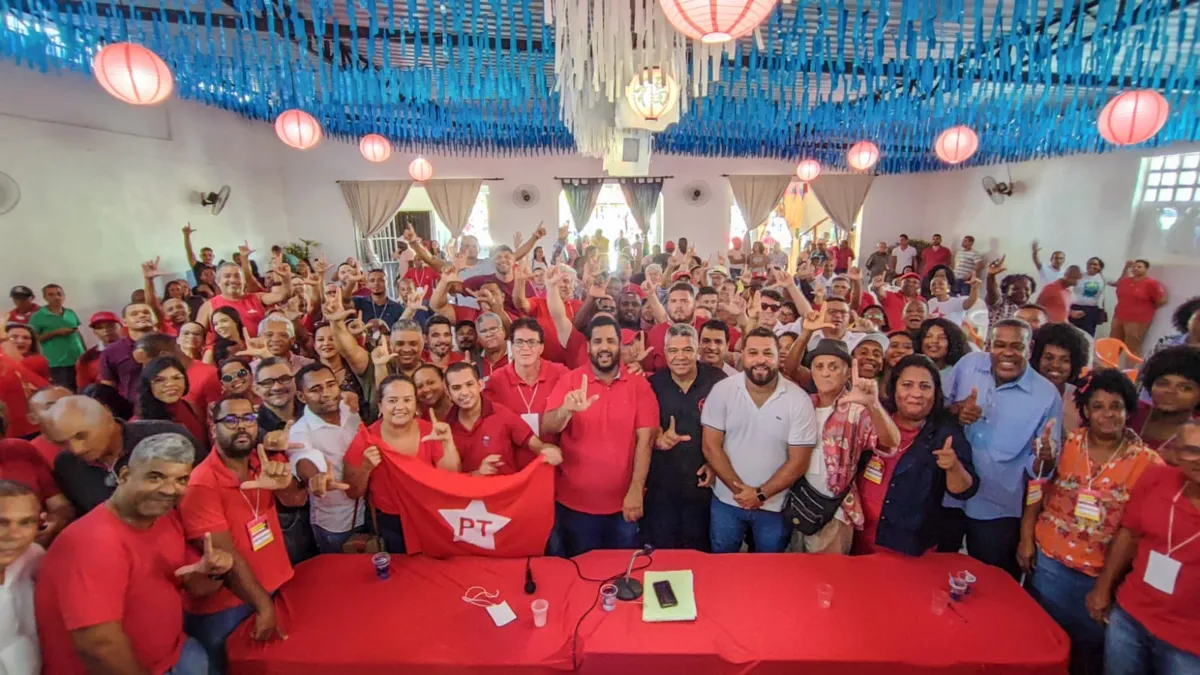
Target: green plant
x=301 y=249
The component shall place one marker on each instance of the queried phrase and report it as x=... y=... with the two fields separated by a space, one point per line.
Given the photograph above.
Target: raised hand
x=669 y=438
x=271 y=475
x=409 y=233
x=283 y=269
x=214 y=563
x=245 y=250
x=256 y=348
x=324 y=482
x=517 y=240
x=522 y=272
x=877 y=283
x=854 y=274
x=1047 y=448
x=320 y=266
x=356 y=325
x=804 y=270
x=997 y=266
x=577 y=400
x=863 y=391
x=490 y=466
x=277 y=441
x=382 y=354
x=188 y=230
x=974 y=281
x=816 y=320
x=1037 y=248
x=969 y=411
x=638 y=350
x=416 y=299
x=540 y=231
x=947 y=459
x=150 y=269
x=440 y=432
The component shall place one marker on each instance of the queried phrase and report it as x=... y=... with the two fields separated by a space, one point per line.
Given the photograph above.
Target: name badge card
x=260 y=533
x=1161 y=572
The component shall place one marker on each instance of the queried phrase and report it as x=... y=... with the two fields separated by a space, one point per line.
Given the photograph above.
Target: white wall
x=105 y=186
x=1083 y=205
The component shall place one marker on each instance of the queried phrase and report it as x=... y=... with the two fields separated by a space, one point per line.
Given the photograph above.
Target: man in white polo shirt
x=759 y=433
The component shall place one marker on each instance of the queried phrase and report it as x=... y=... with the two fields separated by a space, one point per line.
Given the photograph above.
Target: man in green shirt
x=57 y=329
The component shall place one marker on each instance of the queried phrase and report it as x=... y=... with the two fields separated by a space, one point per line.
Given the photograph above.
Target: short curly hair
x=1064 y=336
x=956 y=339
x=1110 y=380
x=1007 y=282
x=1181 y=360
x=1183 y=313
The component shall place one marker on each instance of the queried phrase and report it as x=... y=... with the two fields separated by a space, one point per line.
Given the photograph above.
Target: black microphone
x=530 y=586
x=627 y=588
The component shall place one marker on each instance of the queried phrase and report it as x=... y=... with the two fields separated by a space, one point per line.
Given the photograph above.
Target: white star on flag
x=474 y=524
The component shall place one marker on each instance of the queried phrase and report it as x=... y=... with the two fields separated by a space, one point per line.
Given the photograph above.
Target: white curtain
x=842 y=196
x=453 y=199
x=757 y=196
x=372 y=205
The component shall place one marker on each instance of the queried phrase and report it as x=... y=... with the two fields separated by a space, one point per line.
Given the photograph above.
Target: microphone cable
x=575 y=634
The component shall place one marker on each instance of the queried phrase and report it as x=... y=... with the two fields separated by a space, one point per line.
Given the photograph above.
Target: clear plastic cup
x=608 y=597
x=539 y=607
x=958 y=589
x=824 y=596
x=941 y=600
x=382 y=563
x=967 y=578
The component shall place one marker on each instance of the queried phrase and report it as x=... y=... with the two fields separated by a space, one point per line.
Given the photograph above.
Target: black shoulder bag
x=808 y=509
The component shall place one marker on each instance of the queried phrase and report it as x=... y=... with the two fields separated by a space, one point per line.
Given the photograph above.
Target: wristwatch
x=761 y=497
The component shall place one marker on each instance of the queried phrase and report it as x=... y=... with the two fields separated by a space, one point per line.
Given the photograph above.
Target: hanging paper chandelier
x=652 y=93
x=133 y=74
x=862 y=155
x=420 y=170
x=298 y=129
x=715 y=21
x=808 y=170
x=375 y=148
x=956 y=144
x=1132 y=117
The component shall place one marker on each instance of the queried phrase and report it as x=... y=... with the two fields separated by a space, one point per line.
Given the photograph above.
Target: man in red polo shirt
x=488 y=435
x=231 y=501
x=525 y=384
x=607 y=419
x=439 y=342
x=109 y=597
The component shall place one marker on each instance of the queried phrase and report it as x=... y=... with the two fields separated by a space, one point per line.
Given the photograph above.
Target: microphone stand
x=628 y=588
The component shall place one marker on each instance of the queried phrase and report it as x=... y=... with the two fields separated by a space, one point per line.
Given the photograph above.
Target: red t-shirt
x=657 y=339
x=931 y=258
x=47 y=449
x=14 y=316
x=249 y=307
x=508 y=389
x=486 y=367
x=215 y=502
x=204 y=388
x=552 y=350
x=893 y=304
x=87 y=369
x=475 y=283
x=1056 y=300
x=498 y=431
x=38 y=365
x=383 y=487
x=21 y=462
x=842 y=257
x=14 y=375
x=426 y=278
x=598 y=444
x=452 y=358
x=101 y=570
x=1168 y=617
x=1136 y=299
x=873 y=494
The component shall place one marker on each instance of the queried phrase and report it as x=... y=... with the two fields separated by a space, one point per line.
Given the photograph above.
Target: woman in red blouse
x=28 y=347
x=1138 y=297
x=164 y=384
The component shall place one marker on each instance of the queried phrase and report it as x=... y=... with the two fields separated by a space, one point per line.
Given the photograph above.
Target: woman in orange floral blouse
x=1071 y=517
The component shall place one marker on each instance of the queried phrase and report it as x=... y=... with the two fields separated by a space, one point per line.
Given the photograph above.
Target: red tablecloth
x=757 y=614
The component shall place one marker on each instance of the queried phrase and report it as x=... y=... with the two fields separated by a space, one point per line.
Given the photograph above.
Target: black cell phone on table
x=665 y=595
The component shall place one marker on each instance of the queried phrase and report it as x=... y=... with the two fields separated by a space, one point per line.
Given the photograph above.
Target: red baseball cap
x=628 y=336
x=635 y=289
x=103 y=317
x=681 y=274
x=669 y=246
x=908 y=275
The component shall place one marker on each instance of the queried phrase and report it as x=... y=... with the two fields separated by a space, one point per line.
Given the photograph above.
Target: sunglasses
x=770 y=307
x=239 y=374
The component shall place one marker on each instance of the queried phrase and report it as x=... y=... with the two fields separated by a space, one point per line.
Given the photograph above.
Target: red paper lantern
x=862 y=155
x=808 y=170
x=298 y=129
x=133 y=74
x=956 y=144
x=714 y=21
x=420 y=170
x=375 y=148
x=1133 y=117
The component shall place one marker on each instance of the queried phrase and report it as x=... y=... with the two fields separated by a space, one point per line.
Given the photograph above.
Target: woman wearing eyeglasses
x=161 y=392
x=1066 y=530
x=368 y=467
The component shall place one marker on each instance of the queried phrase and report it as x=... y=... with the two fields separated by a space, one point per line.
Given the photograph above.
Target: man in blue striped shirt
x=1006 y=407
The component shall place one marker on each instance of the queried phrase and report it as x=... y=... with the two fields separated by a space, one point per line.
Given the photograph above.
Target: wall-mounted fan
x=216 y=199
x=696 y=193
x=996 y=191
x=525 y=196
x=10 y=193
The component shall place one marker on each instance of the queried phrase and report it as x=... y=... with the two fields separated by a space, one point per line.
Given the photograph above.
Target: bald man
x=98 y=446
x=39 y=406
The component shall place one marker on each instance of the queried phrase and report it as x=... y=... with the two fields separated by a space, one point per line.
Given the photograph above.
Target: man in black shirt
x=678 y=489
x=99 y=446
x=275 y=384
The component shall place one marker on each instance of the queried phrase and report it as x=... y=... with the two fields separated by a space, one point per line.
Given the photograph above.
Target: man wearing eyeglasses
x=99 y=446
x=524 y=385
x=275 y=385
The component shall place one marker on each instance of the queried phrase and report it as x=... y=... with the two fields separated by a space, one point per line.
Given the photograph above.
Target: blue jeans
x=729 y=526
x=332 y=542
x=211 y=631
x=1062 y=592
x=193 y=660
x=1130 y=649
x=576 y=533
x=391 y=531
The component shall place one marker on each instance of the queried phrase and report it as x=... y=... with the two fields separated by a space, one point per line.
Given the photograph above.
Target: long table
x=758 y=613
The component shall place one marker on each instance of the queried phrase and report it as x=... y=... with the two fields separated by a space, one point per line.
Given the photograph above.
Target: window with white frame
x=613 y=219
x=1172 y=179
